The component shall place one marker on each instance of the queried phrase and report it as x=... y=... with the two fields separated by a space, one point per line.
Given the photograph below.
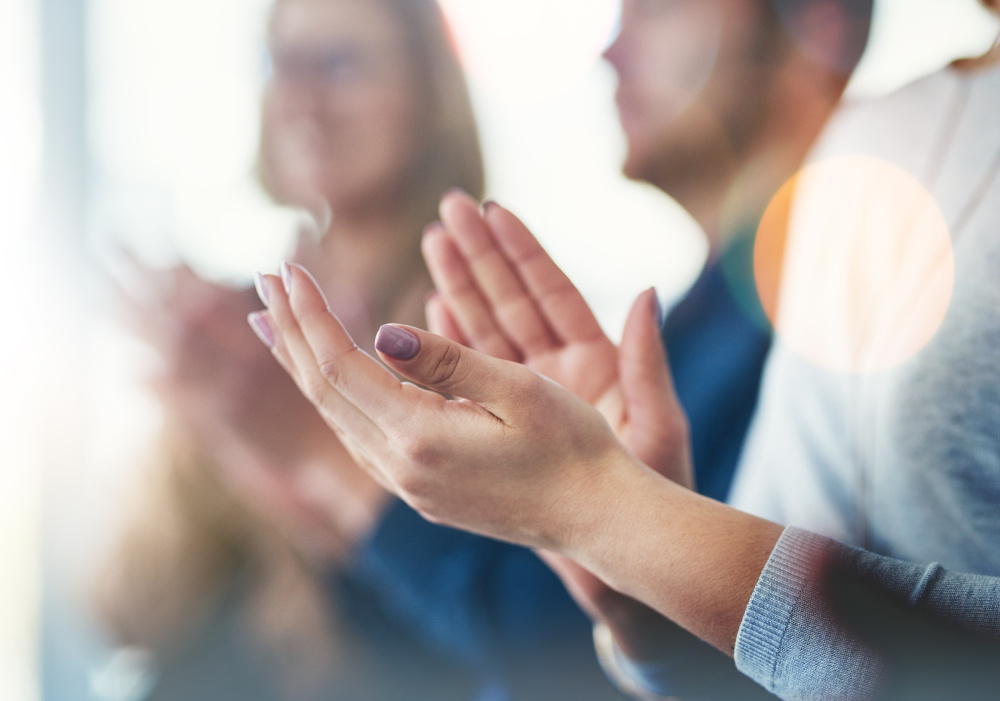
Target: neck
x=369 y=254
x=738 y=191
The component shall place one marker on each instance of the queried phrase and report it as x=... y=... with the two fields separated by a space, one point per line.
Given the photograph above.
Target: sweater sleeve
x=827 y=621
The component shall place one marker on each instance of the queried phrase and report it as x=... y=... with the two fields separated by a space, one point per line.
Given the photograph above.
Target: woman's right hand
x=500 y=293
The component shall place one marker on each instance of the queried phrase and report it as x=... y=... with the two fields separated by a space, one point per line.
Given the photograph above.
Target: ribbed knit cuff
x=789 y=568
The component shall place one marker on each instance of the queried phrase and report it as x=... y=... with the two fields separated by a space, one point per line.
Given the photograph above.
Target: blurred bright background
x=135 y=121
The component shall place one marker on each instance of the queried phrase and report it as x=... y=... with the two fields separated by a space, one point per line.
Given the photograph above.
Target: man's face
x=689 y=83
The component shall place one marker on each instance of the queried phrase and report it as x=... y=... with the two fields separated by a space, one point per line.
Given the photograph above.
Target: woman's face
x=340 y=109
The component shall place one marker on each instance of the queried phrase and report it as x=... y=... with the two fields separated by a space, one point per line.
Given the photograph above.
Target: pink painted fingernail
x=286 y=277
x=396 y=342
x=261 y=326
x=488 y=204
x=261 y=284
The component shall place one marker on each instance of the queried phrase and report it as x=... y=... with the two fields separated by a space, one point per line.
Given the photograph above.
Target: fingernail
x=396 y=342
x=261 y=326
x=455 y=191
x=261 y=284
x=286 y=277
x=657 y=307
x=433 y=226
x=487 y=204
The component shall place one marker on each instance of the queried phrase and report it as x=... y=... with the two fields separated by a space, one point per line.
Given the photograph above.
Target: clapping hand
x=229 y=400
x=499 y=292
x=513 y=455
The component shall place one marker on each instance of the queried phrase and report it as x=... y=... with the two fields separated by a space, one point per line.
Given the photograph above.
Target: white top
x=879 y=423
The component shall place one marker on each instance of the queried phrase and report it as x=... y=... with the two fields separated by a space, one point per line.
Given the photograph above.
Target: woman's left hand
x=513 y=456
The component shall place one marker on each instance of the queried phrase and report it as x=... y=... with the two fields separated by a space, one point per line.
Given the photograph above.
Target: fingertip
x=643 y=326
x=435 y=227
x=433 y=311
x=457 y=199
x=434 y=233
x=492 y=209
x=262 y=289
x=261 y=325
x=293 y=275
x=455 y=192
x=397 y=342
x=656 y=306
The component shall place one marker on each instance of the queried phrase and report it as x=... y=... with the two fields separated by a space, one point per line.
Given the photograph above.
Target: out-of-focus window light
x=175 y=103
x=911 y=38
x=20 y=476
x=529 y=50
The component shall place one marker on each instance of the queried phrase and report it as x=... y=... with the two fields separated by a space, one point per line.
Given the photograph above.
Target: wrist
x=602 y=517
x=690 y=558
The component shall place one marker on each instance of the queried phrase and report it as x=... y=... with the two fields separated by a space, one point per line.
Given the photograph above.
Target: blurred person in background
x=229 y=573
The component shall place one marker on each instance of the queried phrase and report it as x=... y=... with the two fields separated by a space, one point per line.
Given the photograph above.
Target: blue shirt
x=717 y=339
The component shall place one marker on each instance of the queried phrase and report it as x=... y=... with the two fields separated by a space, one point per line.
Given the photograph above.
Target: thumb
x=449 y=367
x=657 y=426
x=643 y=368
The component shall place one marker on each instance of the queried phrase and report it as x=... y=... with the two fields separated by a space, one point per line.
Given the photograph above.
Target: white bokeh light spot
x=526 y=49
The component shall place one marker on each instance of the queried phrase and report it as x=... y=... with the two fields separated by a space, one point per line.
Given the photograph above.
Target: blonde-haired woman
x=226 y=572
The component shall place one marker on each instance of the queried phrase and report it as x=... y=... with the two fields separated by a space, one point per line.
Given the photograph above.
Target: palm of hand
x=588 y=369
x=213 y=378
x=500 y=293
x=489 y=263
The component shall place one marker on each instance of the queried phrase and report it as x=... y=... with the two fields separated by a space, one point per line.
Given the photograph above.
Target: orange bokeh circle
x=864 y=262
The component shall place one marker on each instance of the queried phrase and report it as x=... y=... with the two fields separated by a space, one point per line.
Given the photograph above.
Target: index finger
x=509 y=303
x=565 y=310
x=351 y=379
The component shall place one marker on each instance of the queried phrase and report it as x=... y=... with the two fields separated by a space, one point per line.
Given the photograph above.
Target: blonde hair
x=450 y=153
x=190 y=538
